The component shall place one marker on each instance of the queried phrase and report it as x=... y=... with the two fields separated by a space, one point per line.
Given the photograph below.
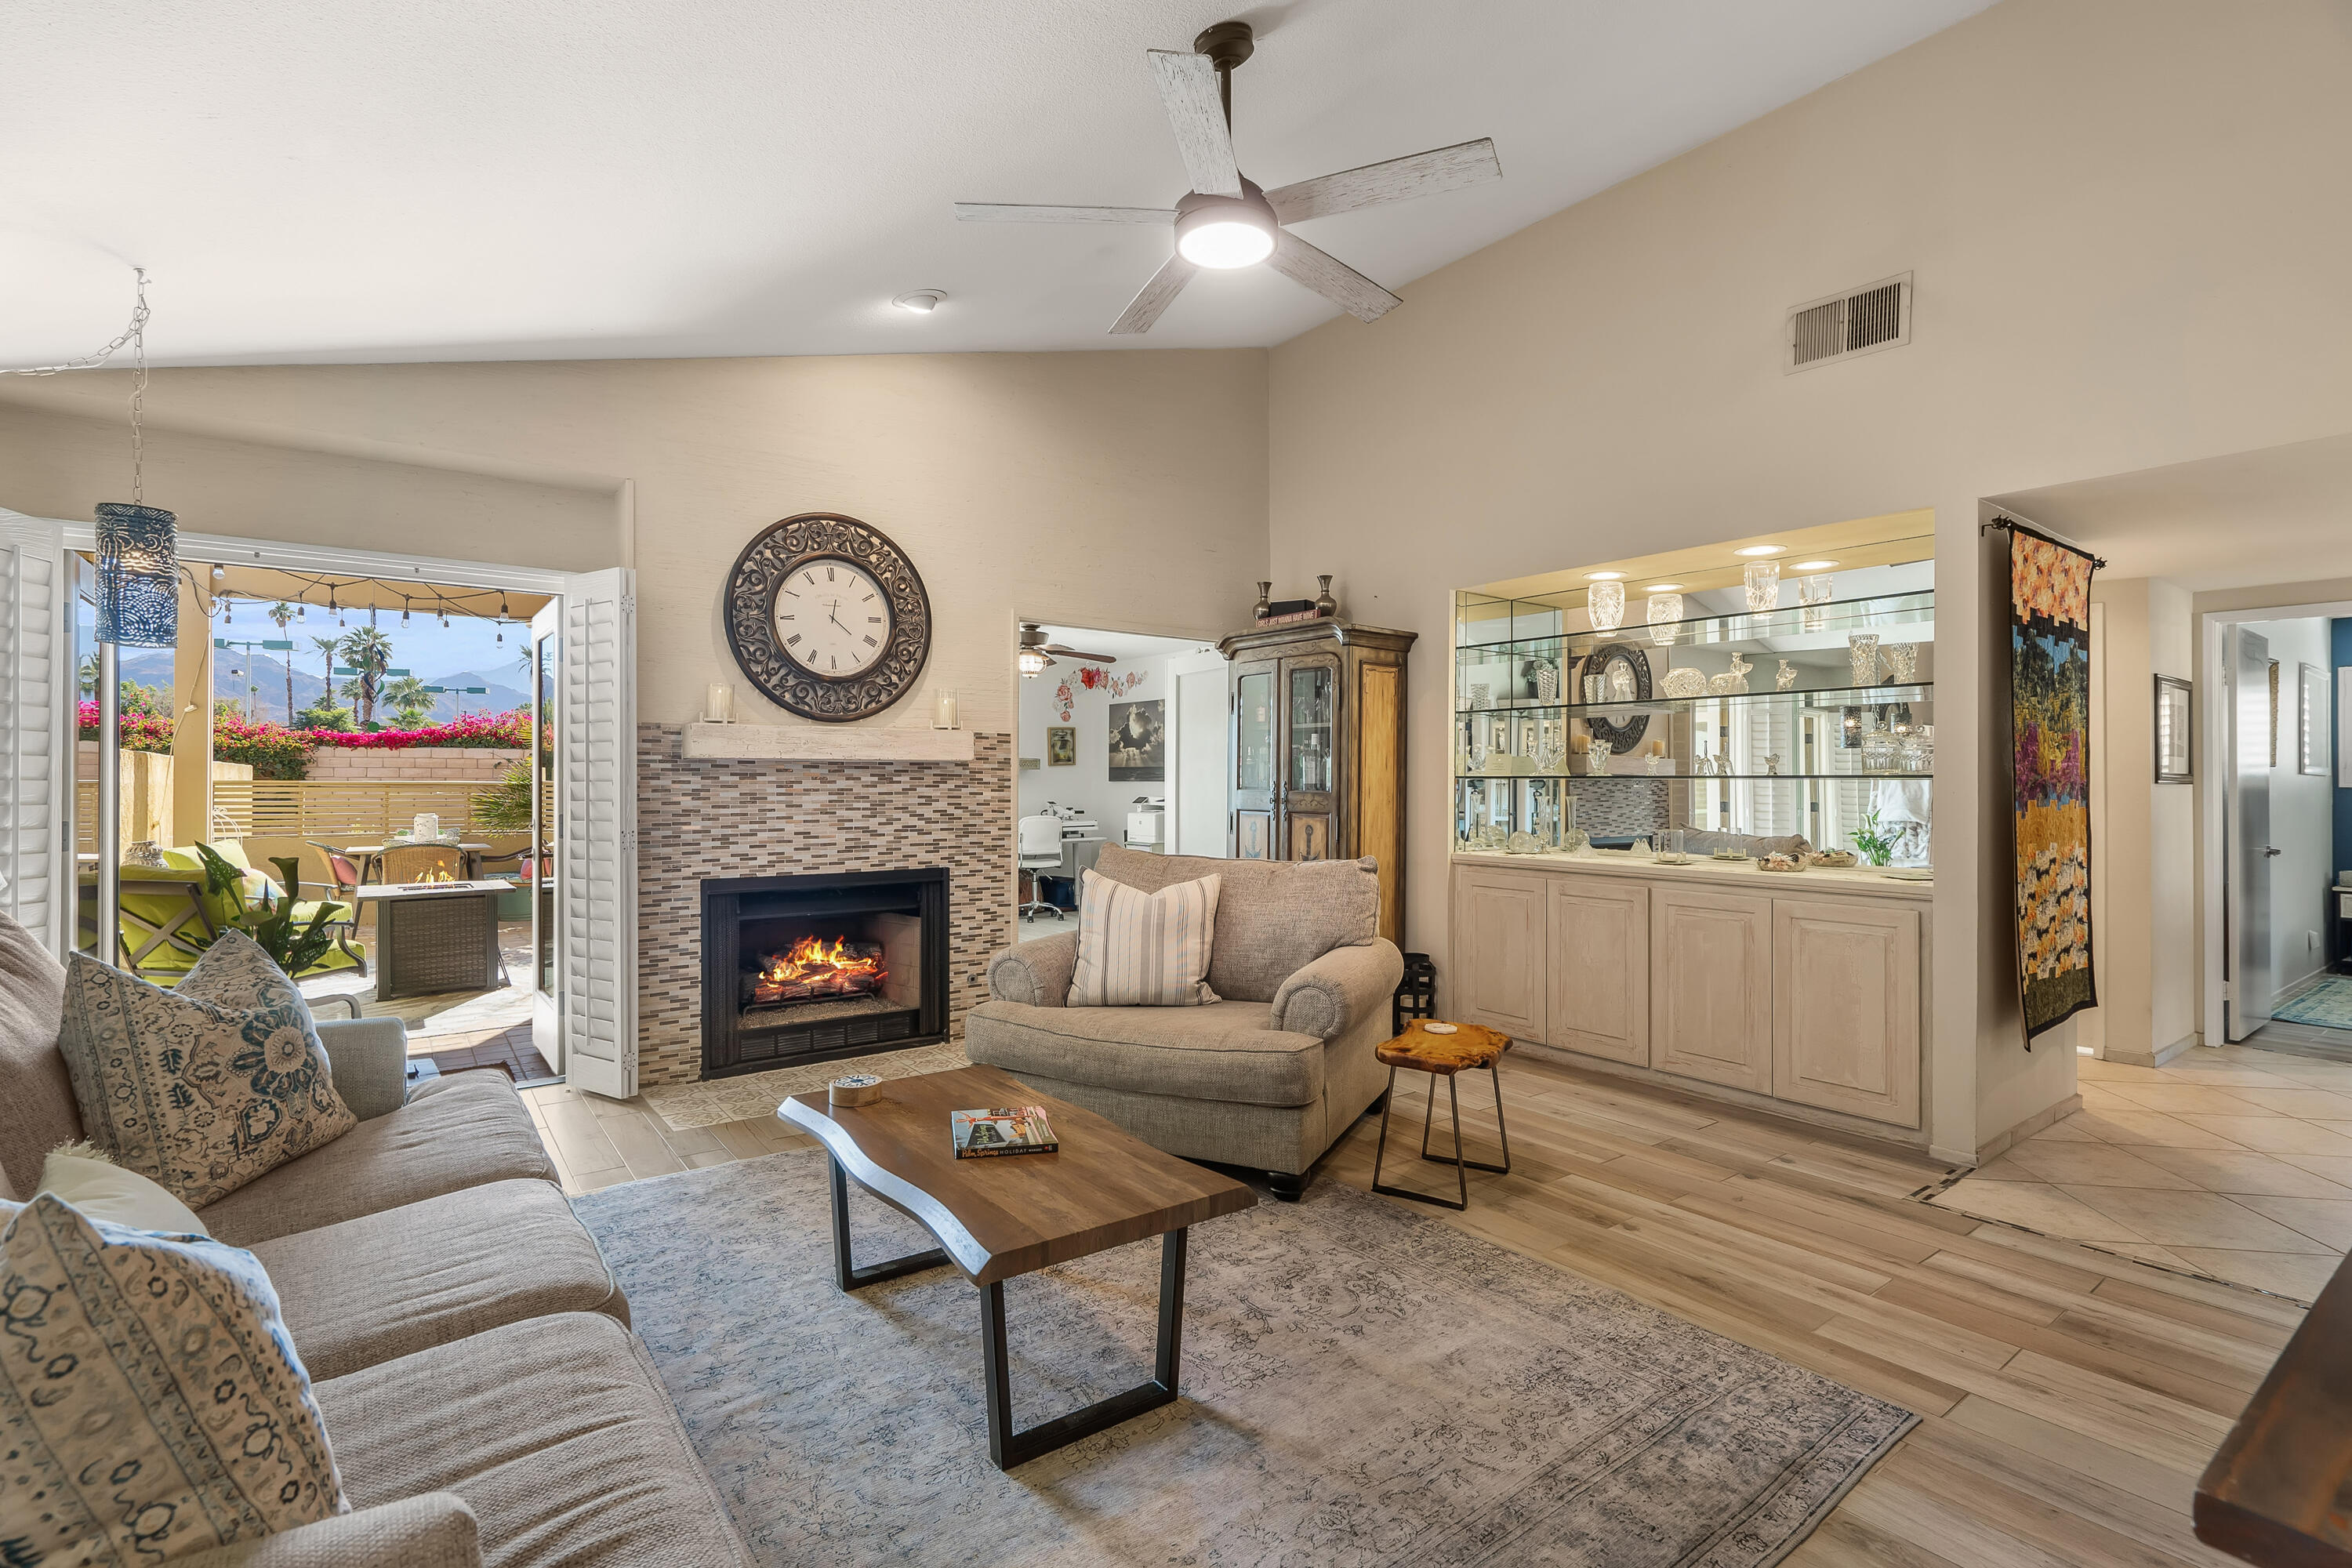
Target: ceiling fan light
x=1225 y=231
x=1033 y=662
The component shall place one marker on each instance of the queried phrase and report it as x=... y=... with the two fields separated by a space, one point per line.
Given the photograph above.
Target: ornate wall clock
x=1622 y=737
x=827 y=617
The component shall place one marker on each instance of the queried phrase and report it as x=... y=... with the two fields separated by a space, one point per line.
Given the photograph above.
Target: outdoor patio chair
x=415 y=862
x=163 y=924
x=343 y=920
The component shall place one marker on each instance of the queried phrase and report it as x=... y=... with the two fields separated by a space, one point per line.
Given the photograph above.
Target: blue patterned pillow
x=151 y=1404
x=202 y=1087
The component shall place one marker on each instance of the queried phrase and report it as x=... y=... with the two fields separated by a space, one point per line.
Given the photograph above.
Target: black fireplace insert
x=811 y=968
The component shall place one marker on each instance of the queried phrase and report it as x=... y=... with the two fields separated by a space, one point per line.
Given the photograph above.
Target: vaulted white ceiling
x=377 y=180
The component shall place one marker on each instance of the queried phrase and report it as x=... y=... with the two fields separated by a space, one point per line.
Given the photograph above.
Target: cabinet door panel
x=1499 y=952
x=1846 y=1009
x=1711 y=986
x=1597 y=939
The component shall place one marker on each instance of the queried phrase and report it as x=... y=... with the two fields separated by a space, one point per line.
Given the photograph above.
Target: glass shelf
x=1835 y=620
x=1830 y=697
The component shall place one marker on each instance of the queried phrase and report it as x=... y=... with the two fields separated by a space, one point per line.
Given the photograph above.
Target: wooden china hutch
x=1317 y=748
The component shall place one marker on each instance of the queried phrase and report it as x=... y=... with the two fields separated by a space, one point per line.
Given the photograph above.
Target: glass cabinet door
x=1308 y=725
x=1253 y=741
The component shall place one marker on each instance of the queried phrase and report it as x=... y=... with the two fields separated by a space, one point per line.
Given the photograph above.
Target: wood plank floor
x=2069 y=1397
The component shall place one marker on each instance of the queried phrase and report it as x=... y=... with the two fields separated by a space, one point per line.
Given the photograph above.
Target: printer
x=1146 y=824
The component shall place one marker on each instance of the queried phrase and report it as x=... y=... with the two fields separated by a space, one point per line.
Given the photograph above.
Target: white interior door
x=36 y=745
x=2251 y=981
x=596 y=832
x=543 y=674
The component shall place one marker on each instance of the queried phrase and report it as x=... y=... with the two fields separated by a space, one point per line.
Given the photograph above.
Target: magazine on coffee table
x=1008 y=1130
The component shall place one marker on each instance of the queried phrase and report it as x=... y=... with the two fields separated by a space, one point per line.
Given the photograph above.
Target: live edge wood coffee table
x=1015 y=1214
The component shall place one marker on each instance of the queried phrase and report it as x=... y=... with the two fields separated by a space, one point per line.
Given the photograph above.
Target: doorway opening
x=375 y=741
x=1122 y=739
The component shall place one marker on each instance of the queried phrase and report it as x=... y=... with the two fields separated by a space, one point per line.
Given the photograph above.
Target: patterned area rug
x=1362 y=1388
x=2326 y=1002
x=706 y=1104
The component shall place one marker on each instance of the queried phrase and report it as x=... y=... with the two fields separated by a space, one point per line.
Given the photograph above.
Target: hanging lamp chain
x=135 y=335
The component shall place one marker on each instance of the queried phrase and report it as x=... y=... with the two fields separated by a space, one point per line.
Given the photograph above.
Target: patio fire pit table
x=432 y=937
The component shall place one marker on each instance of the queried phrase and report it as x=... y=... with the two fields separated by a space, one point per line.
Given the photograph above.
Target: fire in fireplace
x=808 y=968
x=814 y=969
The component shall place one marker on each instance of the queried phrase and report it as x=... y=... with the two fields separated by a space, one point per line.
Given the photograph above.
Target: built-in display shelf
x=1581 y=777
x=1818 y=625
x=822 y=743
x=1814 y=697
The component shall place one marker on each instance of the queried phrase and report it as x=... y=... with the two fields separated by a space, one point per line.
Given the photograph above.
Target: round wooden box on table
x=1466 y=1046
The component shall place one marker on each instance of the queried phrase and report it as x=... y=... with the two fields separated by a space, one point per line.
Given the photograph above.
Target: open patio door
x=596 y=833
x=35 y=750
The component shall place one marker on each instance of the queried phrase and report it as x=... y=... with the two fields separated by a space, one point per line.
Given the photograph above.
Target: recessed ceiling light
x=1602 y=576
x=1662 y=588
x=922 y=302
x=1812 y=566
x=1760 y=550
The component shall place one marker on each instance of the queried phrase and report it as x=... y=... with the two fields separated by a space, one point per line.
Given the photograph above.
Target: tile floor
x=2233 y=1164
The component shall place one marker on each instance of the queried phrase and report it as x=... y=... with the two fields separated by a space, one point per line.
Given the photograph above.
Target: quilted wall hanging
x=2050 y=725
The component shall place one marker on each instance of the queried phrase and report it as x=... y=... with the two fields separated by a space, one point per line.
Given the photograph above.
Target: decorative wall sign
x=1139 y=741
x=827 y=617
x=2050 y=718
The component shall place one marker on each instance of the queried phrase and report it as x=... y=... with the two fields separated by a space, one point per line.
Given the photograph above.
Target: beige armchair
x=1268 y=1078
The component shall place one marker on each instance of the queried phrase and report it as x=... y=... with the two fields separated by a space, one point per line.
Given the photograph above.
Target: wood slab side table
x=1470 y=1046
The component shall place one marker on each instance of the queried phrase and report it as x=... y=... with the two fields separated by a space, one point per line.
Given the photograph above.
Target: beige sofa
x=1268 y=1078
x=467 y=1345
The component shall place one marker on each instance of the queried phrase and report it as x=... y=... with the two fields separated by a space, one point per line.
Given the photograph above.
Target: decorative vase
x=1902 y=662
x=1482 y=697
x=1264 y=590
x=1592 y=684
x=1596 y=757
x=1665 y=610
x=1605 y=603
x=1862 y=647
x=1762 y=580
x=1786 y=678
x=1546 y=677
x=1878 y=753
x=1325 y=605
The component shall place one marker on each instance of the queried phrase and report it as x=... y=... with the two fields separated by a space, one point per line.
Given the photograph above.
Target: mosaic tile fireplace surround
x=740 y=819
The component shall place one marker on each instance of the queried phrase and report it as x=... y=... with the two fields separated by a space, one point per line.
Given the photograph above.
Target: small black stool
x=1470 y=1045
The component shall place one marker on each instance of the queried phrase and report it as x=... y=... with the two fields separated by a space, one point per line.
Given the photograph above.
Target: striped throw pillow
x=1143 y=950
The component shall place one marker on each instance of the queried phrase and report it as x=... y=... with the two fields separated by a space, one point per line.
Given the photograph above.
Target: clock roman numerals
x=870 y=642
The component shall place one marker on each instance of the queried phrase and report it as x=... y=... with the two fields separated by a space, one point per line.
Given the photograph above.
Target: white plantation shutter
x=35 y=660
x=596 y=832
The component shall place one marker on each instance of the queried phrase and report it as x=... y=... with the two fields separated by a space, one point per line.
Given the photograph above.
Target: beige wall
x=1125 y=491
x=2108 y=207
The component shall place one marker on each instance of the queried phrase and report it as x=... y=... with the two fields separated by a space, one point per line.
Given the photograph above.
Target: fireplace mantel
x=822 y=743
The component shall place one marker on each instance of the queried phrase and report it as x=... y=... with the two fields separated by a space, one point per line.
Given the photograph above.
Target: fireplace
x=808 y=969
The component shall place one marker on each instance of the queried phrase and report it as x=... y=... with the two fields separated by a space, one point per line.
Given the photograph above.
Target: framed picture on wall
x=2311 y=750
x=1139 y=741
x=1061 y=746
x=2172 y=732
x=2275 y=727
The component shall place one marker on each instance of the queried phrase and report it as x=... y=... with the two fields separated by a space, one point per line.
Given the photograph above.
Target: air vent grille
x=1844 y=325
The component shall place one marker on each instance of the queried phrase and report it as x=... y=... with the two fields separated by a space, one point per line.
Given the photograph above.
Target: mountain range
x=230 y=667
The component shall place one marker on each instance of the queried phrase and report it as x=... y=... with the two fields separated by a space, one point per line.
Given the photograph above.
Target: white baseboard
x=2158 y=1056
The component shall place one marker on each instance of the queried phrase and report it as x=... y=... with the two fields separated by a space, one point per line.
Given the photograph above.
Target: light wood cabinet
x=1318 y=748
x=1810 y=999
x=1845 y=1007
x=1597 y=937
x=1711 y=986
x=1499 y=981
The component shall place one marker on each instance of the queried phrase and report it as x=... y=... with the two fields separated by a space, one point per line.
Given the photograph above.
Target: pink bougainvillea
x=509 y=731
x=142 y=730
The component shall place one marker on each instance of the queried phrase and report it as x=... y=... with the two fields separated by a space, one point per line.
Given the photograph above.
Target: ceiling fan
x=1034 y=649
x=1226 y=220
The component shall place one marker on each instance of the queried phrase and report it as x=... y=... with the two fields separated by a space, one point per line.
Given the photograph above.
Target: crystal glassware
x=1762 y=579
x=1665 y=610
x=1592 y=685
x=1878 y=751
x=1863 y=648
x=1596 y=758
x=1814 y=593
x=1902 y=662
x=1605 y=603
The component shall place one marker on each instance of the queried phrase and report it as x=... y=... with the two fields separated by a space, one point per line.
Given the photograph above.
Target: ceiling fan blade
x=1009 y=212
x=1073 y=653
x=1329 y=277
x=1399 y=179
x=1155 y=297
x=1196 y=112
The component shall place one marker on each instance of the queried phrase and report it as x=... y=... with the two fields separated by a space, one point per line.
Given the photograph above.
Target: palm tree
x=326 y=647
x=411 y=700
x=282 y=612
x=368 y=651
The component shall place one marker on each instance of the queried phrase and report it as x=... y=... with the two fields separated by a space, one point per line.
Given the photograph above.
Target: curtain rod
x=2006 y=520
